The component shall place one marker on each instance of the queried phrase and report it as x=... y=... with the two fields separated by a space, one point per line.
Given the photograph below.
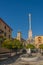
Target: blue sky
x=15 y=14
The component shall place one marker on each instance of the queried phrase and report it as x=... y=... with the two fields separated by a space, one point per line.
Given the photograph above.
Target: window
x=5 y=27
x=9 y=30
x=5 y=34
x=1 y=32
x=9 y=36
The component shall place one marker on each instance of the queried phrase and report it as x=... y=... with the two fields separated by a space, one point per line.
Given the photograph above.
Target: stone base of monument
x=29 y=56
x=29 y=59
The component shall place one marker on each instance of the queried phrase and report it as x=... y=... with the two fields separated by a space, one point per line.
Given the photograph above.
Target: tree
x=41 y=46
x=2 y=38
x=7 y=43
x=31 y=46
x=12 y=44
x=17 y=45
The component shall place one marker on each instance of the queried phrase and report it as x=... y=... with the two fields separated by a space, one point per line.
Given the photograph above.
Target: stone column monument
x=30 y=29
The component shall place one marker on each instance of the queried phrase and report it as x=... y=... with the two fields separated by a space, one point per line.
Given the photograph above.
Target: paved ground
x=38 y=62
x=10 y=61
x=15 y=60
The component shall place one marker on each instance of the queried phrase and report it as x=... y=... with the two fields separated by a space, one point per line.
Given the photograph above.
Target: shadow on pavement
x=10 y=60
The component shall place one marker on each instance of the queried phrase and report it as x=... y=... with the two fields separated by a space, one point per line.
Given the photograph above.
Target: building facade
x=19 y=36
x=38 y=41
x=5 y=30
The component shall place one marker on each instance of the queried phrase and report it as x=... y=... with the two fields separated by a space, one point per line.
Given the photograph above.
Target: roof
x=6 y=24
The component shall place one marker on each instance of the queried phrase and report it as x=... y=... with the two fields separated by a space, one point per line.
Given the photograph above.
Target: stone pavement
x=15 y=60
x=38 y=62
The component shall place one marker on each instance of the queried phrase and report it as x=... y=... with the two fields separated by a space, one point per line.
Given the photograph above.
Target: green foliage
x=7 y=44
x=30 y=46
x=12 y=44
x=41 y=46
x=17 y=44
x=0 y=39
